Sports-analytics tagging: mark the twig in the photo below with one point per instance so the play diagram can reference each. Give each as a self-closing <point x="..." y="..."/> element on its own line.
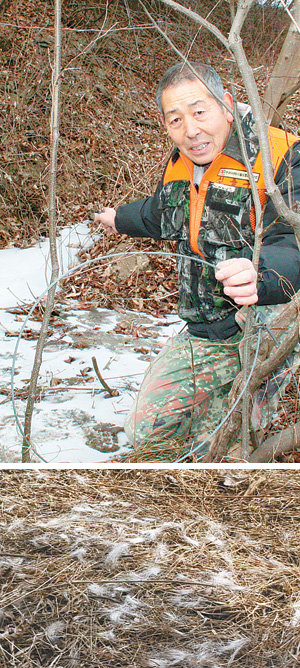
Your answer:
<point x="113" y="393"/>
<point x="290" y="15"/>
<point x="288" y="94"/>
<point x="207" y="25"/>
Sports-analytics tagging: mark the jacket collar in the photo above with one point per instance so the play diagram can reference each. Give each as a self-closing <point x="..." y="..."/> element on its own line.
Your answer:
<point x="233" y="147"/>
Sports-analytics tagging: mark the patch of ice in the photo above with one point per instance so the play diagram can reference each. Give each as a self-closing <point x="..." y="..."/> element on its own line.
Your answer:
<point x="66" y="420"/>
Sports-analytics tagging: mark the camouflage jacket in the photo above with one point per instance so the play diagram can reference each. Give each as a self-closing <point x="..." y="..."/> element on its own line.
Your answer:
<point x="217" y="222"/>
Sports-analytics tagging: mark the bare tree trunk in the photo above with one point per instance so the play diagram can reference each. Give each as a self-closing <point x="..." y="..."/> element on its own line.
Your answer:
<point x="286" y="73"/>
<point x="52" y="235"/>
<point x="236" y="47"/>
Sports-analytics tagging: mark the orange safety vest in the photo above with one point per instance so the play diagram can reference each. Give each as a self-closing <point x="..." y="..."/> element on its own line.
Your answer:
<point x="227" y="171"/>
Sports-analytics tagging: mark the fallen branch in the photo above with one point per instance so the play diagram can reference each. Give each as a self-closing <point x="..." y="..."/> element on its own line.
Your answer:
<point x="283" y="441"/>
<point x="113" y="393"/>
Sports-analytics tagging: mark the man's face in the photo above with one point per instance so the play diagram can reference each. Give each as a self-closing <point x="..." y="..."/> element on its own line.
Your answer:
<point x="195" y="121"/>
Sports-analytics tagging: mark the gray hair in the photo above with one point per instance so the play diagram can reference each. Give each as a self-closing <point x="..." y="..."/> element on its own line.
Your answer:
<point x="181" y="71"/>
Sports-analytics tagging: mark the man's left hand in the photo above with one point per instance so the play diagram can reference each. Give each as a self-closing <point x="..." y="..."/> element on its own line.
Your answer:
<point x="239" y="279"/>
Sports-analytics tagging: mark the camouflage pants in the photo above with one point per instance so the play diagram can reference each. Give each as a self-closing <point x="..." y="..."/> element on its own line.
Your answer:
<point x="184" y="391"/>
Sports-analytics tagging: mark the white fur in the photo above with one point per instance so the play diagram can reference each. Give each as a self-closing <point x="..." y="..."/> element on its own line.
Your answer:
<point x="117" y="551"/>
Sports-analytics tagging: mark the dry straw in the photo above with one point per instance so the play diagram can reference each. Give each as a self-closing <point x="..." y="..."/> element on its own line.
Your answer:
<point x="150" y="568"/>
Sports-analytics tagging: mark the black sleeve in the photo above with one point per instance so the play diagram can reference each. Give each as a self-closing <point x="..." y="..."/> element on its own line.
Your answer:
<point x="279" y="263"/>
<point x="140" y="218"/>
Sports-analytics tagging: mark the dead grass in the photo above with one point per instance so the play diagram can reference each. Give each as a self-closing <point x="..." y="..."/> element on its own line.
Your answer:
<point x="150" y="568"/>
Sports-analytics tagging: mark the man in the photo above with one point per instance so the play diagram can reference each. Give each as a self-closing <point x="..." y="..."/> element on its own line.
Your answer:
<point x="204" y="202"/>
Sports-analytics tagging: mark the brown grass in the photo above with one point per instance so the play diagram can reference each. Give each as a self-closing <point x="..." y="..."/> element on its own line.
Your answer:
<point x="150" y="568"/>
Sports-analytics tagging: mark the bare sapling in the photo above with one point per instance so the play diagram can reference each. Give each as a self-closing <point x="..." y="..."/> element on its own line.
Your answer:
<point x="54" y="126"/>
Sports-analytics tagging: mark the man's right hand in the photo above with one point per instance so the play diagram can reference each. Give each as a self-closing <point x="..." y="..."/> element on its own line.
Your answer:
<point x="107" y="219"/>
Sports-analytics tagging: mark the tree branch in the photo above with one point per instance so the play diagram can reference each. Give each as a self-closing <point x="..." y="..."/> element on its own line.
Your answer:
<point x="243" y="9"/>
<point x="198" y="19"/>
<point x="182" y="56"/>
<point x="273" y="191"/>
<point x="271" y="356"/>
<point x="293" y="20"/>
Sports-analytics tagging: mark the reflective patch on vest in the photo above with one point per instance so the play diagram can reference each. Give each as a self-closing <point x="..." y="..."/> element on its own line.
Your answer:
<point x="237" y="174"/>
<point x="222" y="186"/>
